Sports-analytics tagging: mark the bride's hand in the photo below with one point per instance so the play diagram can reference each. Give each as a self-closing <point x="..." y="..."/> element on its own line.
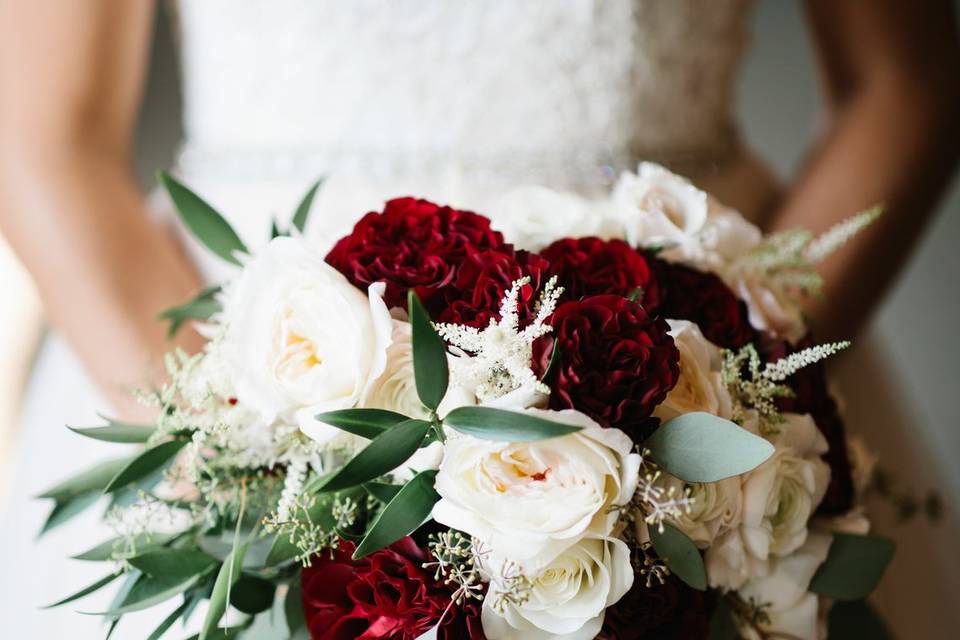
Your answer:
<point x="70" y="77"/>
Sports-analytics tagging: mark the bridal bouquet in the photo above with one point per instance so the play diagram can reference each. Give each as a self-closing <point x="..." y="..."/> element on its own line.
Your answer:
<point x="580" y="419"/>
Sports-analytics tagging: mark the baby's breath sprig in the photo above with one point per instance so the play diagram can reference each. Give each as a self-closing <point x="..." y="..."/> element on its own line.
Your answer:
<point x="652" y="502"/>
<point x="307" y="535"/>
<point x="511" y="587"/>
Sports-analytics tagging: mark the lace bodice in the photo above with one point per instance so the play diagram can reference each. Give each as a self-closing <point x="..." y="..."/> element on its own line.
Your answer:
<point x="555" y="91"/>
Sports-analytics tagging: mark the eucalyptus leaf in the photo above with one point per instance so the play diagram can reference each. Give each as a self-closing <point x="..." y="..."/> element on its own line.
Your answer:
<point x="145" y="464"/>
<point x="96" y="586"/>
<point x="853" y="567"/>
<point x="173" y="563"/>
<point x="252" y="595"/>
<point x="680" y="554"/>
<point x="64" y="510"/>
<point x="228" y="576"/>
<point x="208" y="226"/>
<point x="403" y="515"/>
<point x="303" y="209"/>
<point x="385" y="453"/>
<point x="430" y="368"/>
<point x="87" y="481"/>
<point x="431" y="634"/>
<point x="701" y="447"/>
<point x="856" y="619"/>
<point x="366" y="423"/>
<point x="201" y="307"/>
<point x="503" y="425"/>
<point x="116" y="431"/>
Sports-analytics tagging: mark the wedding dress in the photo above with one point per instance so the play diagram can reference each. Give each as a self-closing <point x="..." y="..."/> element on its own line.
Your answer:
<point x="459" y="102"/>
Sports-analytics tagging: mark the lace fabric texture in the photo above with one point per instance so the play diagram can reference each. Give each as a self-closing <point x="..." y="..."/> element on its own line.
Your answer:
<point x="564" y="92"/>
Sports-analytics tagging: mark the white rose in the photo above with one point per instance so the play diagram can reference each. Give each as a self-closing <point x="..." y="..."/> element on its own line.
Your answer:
<point x="715" y="509"/>
<point x="658" y="207"/>
<point x="725" y="236"/>
<point x="779" y="498"/>
<point x="528" y="501"/>
<point x="769" y="307"/>
<point x="304" y="338"/>
<point x="396" y="389"/>
<point x="532" y="217"/>
<point x="700" y="386"/>
<point x="791" y="610"/>
<point x="568" y="597"/>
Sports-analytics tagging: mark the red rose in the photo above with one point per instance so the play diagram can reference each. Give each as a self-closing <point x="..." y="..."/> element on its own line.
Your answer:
<point x="811" y="395"/>
<point x="702" y="298"/>
<point x="481" y="281"/>
<point x="614" y="363"/>
<point x="669" y="611"/>
<point x="387" y="595"/>
<point x="413" y="244"/>
<point x="591" y="267"/>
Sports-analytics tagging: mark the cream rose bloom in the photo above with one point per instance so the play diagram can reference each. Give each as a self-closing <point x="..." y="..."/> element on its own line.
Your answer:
<point x="778" y="499"/>
<point x="792" y="610"/>
<point x="769" y="307"/>
<point x="528" y="501"/>
<point x="700" y="386"/>
<point x="304" y="339"/>
<point x="532" y="217"/>
<point x="658" y="207"/>
<point x="715" y="509"/>
<point x="568" y="596"/>
<point x="395" y="389"/>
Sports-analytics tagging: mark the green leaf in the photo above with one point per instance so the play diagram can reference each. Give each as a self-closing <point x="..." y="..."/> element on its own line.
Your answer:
<point x="382" y="491"/>
<point x="293" y="610"/>
<point x="224" y="633"/>
<point x="853" y="567"/>
<point x="504" y="425"/>
<point x="145" y="464"/>
<point x="252" y="595"/>
<point x="554" y="361"/>
<point x="403" y="515"/>
<point x="148" y="591"/>
<point x="201" y="307"/>
<point x="681" y="555"/>
<point x="116" y="431"/>
<point x="64" y="510"/>
<point x="366" y="423"/>
<point x="168" y="622"/>
<point x="275" y="230"/>
<point x="385" y="453"/>
<point x="141" y="543"/>
<point x="96" y="586"/>
<point x="228" y="576"/>
<point x="88" y="481"/>
<point x="182" y="563"/>
<point x="204" y="222"/>
<point x="430" y="371"/>
<point x="856" y="619"/>
<point x="701" y="447"/>
<point x="303" y="209"/>
<point x="722" y="625"/>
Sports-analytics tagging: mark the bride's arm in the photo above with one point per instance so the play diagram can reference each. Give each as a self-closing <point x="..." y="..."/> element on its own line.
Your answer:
<point x="891" y="79"/>
<point x="70" y="81"/>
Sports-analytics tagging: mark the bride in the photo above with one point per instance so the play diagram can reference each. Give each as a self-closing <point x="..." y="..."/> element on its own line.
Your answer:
<point x="459" y="102"/>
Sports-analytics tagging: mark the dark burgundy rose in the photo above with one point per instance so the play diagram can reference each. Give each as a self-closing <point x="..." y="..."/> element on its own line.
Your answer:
<point x="482" y="279"/>
<point x="704" y="299"/>
<point x="615" y="362"/>
<point x="387" y="595"/>
<point x="413" y="244"/>
<point x="812" y="396"/>
<point x="669" y="611"/>
<point x="591" y="266"/>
